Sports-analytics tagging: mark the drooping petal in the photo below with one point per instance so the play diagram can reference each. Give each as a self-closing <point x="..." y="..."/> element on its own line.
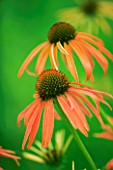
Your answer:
<point x="30" y="73"/>
<point x="83" y="58"/>
<point x="35" y="126"/>
<point x="26" y="111"/>
<point x="84" y="109"/>
<point x="48" y="123"/>
<point x="42" y="59"/>
<point x="30" y="123"/>
<point x="70" y="62"/>
<point x="78" y="110"/>
<point x="98" y="55"/>
<point x="52" y="58"/>
<point x="9" y="154"/>
<point x="30" y="58"/>
<point x="92" y="41"/>
<point x="91" y="36"/>
<point x="61" y="48"/>
<point x="66" y="108"/>
<point x="72" y="116"/>
<point x="107" y="134"/>
<point x="86" y="101"/>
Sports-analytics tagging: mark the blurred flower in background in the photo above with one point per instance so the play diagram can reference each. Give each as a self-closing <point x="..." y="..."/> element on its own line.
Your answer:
<point x="89" y="15"/>
<point x="53" y="154"/>
<point x="9" y="154"/>
<point x="53" y="85"/>
<point x="64" y="37"/>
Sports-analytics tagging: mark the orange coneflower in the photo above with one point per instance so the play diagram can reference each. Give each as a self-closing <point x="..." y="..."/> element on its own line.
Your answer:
<point x="64" y="37"/>
<point x="9" y="154"/>
<point x="52" y="85"/>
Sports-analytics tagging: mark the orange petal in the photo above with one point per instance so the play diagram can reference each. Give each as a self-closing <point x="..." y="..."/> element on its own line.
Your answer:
<point x="79" y="34"/>
<point x="105" y="135"/>
<point x="83" y="58"/>
<point x="61" y="48"/>
<point x="71" y="115"/>
<point x="66" y="108"/>
<point x="52" y="58"/>
<point x="87" y="102"/>
<point x="30" y="124"/>
<point x="42" y="59"/>
<point x="98" y="55"/>
<point x="94" y="96"/>
<point x="82" y="106"/>
<point x="35" y="126"/>
<point x="48" y="123"/>
<point x="30" y="58"/>
<point x="78" y="110"/>
<point x="26" y="111"/>
<point x="30" y="73"/>
<point x="108" y="54"/>
<point x="99" y="92"/>
<point x="70" y="62"/>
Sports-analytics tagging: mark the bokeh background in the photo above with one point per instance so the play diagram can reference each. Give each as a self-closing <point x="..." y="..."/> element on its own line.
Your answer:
<point x="25" y="24"/>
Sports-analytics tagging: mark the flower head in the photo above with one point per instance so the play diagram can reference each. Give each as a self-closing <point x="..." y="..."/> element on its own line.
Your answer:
<point x="89" y="15"/>
<point x="53" y="154"/>
<point x="52" y="85"/>
<point x="63" y="37"/>
<point x="9" y="154"/>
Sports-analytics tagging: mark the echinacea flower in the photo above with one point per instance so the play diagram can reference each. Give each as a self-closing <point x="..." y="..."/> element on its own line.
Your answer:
<point x="89" y="16"/>
<point x="9" y="154"/>
<point x="53" y="155"/>
<point x="108" y="131"/>
<point x="63" y="37"/>
<point x="53" y="85"/>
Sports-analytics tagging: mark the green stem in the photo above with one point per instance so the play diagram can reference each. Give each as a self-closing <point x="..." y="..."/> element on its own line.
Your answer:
<point x="76" y="137"/>
<point x="106" y="118"/>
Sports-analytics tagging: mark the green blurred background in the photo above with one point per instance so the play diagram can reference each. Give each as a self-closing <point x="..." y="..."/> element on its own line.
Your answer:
<point x="25" y="24"/>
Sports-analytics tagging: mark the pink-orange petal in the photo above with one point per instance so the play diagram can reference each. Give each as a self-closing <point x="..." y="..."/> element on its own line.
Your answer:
<point x="104" y="135"/>
<point x="26" y="111"/>
<point x="79" y="34"/>
<point x="67" y="110"/>
<point x="30" y="58"/>
<point x="35" y="126"/>
<point x="86" y="101"/>
<point x="78" y="110"/>
<point x="48" y="123"/>
<point x="98" y="55"/>
<point x="84" y="109"/>
<point x="42" y="59"/>
<point x="61" y="48"/>
<point x="30" y="125"/>
<point x="70" y="62"/>
<point x="52" y="58"/>
<point x="84" y="60"/>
